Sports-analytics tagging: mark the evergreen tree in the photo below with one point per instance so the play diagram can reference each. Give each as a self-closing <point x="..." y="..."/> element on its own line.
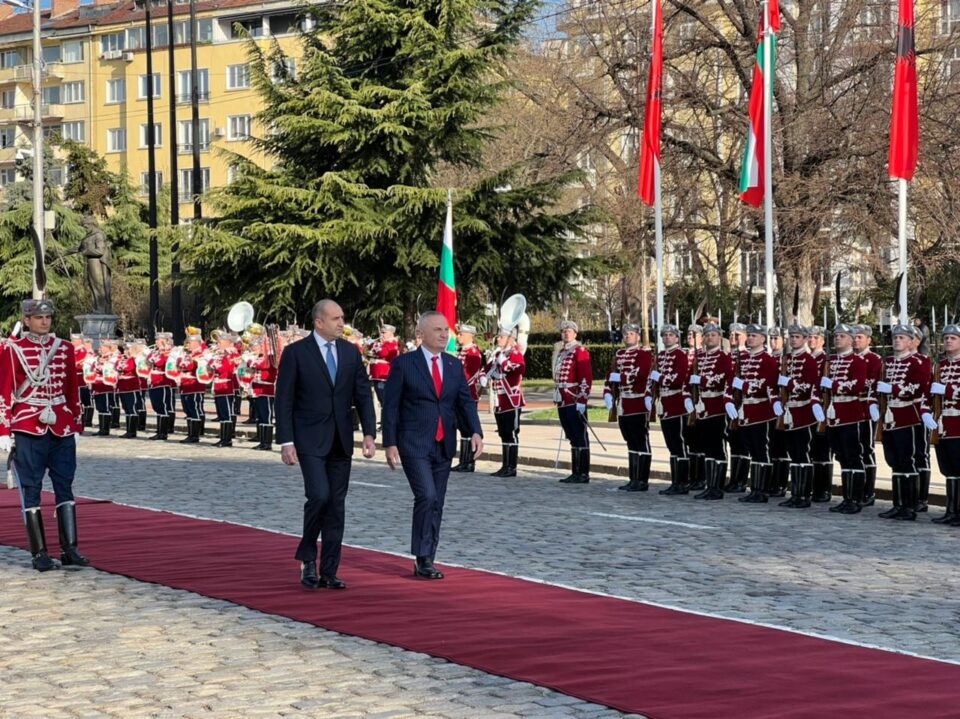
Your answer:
<point x="387" y="94"/>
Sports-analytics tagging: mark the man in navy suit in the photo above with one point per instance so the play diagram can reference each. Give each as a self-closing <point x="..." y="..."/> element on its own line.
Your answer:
<point x="425" y="396"/>
<point x="321" y="378"/>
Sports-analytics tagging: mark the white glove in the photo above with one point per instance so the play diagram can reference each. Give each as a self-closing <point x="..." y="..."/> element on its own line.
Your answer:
<point x="874" y="413"/>
<point x="695" y="379"/>
<point x="608" y="401"/>
<point x="783" y="381"/>
<point x="76" y="439"/>
<point x="826" y="383"/>
<point x="884" y="387"/>
<point x="818" y="413"/>
<point x="737" y="383"/>
<point x="731" y="410"/>
<point x="648" y="403"/>
<point x="581" y="407"/>
<point x="928" y="421"/>
<point x="6" y="444"/>
<point x="688" y="405"/>
<point x="778" y="408"/>
<point x="655" y="376"/>
<point x="484" y="381"/>
<point x="937" y="388"/>
<point x="614" y="377"/>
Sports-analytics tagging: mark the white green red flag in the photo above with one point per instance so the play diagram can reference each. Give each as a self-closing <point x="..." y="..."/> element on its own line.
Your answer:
<point x="751" y="171"/>
<point x="447" y="286"/>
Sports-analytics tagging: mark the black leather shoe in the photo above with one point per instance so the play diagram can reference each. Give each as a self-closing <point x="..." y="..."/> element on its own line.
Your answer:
<point x="423" y="568"/>
<point x="43" y="563"/>
<point x="331" y="583"/>
<point x="70" y="557"/>
<point x="308" y="575"/>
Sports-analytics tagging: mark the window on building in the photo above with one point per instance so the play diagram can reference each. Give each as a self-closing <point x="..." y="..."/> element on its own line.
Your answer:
<point x="117" y="90"/>
<point x="285" y="69"/>
<point x="8" y="99"/>
<point x="52" y="132"/>
<point x="157" y="135"/>
<point x="238" y="127"/>
<point x="185" y="89"/>
<point x="160" y="35"/>
<point x="185" y="135"/>
<point x="253" y="28"/>
<point x="144" y="86"/>
<point x="8" y="175"/>
<point x="8" y="136"/>
<point x="284" y="24"/>
<point x="51" y="95"/>
<point x="136" y="38"/>
<point x="113" y="42"/>
<point x="186" y="183"/>
<point x="949" y="15"/>
<point x="57" y="176"/>
<point x="116" y="140"/>
<point x="72" y="92"/>
<point x="11" y="58"/>
<point x="51" y="53"/>
<point x="145" y="182"/>
<point x="71" y="51"/>
<point x="205" y="30"/>
<point x="238" y="76"/>
<point x="233" y="172"/>
<point x="73" y="131"/>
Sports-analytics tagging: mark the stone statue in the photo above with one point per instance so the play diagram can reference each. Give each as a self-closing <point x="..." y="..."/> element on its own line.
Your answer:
<point x="96" y="251"/>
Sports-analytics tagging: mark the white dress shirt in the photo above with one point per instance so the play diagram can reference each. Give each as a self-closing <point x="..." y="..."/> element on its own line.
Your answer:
<point x="429" y="355"/>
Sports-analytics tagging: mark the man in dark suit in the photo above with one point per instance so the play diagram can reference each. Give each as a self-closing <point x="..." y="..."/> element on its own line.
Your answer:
<point x="321" y="378"/>
<point x="425" y="396"/>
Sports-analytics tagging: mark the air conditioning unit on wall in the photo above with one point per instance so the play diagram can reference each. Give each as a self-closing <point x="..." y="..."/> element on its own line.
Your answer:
<point x="112" y="55"/>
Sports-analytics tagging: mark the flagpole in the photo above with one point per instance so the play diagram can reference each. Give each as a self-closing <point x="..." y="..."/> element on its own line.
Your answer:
<point x="902" y="248"/>
<point x="768" y="75"/>
<point x="657" y="210"/>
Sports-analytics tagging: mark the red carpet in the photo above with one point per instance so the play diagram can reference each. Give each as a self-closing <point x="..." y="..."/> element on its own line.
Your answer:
<point x="627" y="655"/>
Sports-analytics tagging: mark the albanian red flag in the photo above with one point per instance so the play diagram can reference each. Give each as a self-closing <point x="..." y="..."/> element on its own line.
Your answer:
<point x="905" y="120"/>
<point x="650" y="147"/>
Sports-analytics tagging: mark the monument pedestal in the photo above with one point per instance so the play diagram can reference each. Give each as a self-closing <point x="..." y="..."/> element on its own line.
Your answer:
<point x="97" y="326"/>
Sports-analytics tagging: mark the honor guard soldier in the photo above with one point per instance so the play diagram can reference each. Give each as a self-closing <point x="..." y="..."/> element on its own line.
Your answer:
<point x="225" y="360"/>
<point x="264" y="388"/>
<point x="692" y="435"/>
<point x="906" y="379"/>
<point x="80" y="354"/>
<point x="104" y="386"/>
<point x="128" y="390"/>
<point x="739" y="457"/>
<point x="759" y="406"/>
<point x="161" y="386"/>
<point x="624" y="392"/>
<point x="921" y="445"/>
<point x="801" y="415"/>
<point x="779" y="455"/>
<point x="845" y="386"/>
<point x="573" y="378"/>
<point x="667" y="395"/>
<point x="863" y="335"/>
<point x="714" y="374"/>
<point x="472" y="358"/>
<point x="192" y="389"/>
<point x="40" y="408"/>
<point x="946" y="393"/>
<point x="381" y="355"/>
<point x="505" y="370"/>
<point x="820" y="444"/>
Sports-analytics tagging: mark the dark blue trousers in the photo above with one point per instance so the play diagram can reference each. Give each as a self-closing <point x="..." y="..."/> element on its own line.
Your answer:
<point x="325" y="483"/>
<point x="224" y="405"/>
<point x="428" y="479"/>
<point x="193" y="405"/>
<point x="263" y="406"/>
<point x="38" y="455"/>
<point x="573" y="426"/>
<point x="161" y="399"/>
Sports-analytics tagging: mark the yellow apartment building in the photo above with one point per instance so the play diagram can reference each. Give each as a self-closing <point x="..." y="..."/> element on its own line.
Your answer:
<point x="96" y="85"/>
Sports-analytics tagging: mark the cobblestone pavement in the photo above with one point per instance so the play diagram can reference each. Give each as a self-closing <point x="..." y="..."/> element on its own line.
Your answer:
<point x="858" y="578"/>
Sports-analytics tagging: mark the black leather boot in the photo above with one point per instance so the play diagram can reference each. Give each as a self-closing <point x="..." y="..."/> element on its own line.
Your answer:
<point x="505" y="449"/>
<point x="67" y="526"/>
<point x="857" y="482"/>
<point x="674" y="472"/>
<point x="632" y="459"/>
<point x="779" y="479"/>
<point x="846" y="483"/>
<point x="897" y="481"/>
<point x="171" y="423"/>
<point x="104" y="420"/>
<point x="822" y="481"/>
<point x="583" y="467"/>
<point x="115" y="418"/>
<point x="131" y="422"/>
<point x="754" y="478"/>
<point x="765" y="483"/>
<point x="161" y="429"/>
<point x="909" y="493"/>
<point x="953" y="505"/>
<point x="463" y="462"/>
<point x="806" y="486"/>
<point x="719" y="475"/>
<point x="698" y="477"/>
<point x="38" y="541"/>
<point x="709" y="465"/>
<point x="643" y="471"/>
<point x="259" y="438"/>
<point x="266" y="442"/>
<point x="88" y="416"/>
<point x="794" y="487"/>
<point x="574" y="465"/>
<point x="739" y="469"/>
<point x="142" y="420"/>
<point x="193" y="435"/>
<point x="869" y="485"/>
<point x="923" y="491"/>
<point x="513" y="456"/>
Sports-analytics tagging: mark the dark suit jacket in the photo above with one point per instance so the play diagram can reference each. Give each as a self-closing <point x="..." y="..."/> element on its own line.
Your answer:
<point x="310" y="409"/>
<point x="411" y="406"/>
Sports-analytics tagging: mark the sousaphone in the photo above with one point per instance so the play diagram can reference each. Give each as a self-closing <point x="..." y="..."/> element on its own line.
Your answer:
<point x="241" y="316"/>
<point x="513" y="316"/>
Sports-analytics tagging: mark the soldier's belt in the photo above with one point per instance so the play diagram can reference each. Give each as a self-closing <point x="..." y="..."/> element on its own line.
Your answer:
<point x="710" y="395"/>
<point x="670" y="392"/>
<point x="567" y="385"/>
<point x="950" y="413"/>
<point x="795" y="403"/>
<point x="632" y="395"/>
<point x="37" y="402"/>
<point x="901" y="403"/>
<point x="755" y="400"/>
<point x="846" y="398"/>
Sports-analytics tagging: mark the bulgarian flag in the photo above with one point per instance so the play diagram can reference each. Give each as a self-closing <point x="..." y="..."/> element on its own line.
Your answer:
<point x="751" y="172"/>
<point x="905" y="120"/>
<point x="447" y="286"/>
<point x="650" y="149"/>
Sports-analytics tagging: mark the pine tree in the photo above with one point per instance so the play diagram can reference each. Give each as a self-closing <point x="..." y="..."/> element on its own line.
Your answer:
<point x="387" y="94"/>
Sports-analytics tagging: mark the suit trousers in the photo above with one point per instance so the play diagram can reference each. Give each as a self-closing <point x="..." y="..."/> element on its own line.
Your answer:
<point x="325" y="483"/>
<point x="428" y="479"/>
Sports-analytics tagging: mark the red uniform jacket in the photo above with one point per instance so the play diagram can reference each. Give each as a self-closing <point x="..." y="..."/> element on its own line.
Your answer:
<point x="472" y="359"/>
<point x="128" y="382"/>
<point x="759" y="372"/>
<point x="874" y="371"/>
<point x="950" y="409"/>
<point x="189" y="384"/>
<point x="20" y="411"/>
<point x="225" y="379"/>
<point x="715" y="368"/>
<point x="381" y="355"/>
<point x="572" y="375"/>
<point x="849" y="374"/>
<point x="79" y="355"/>
<point x="510" y="366"/>
<point x="158" y="367"/>
<point x="633" y="364"/>
<point x="803" y="390"/>
<point x="674" y="368"/>
<point x="99" y="386"/>
<point x="265" y="378"/>
<point x="910" y="377"/>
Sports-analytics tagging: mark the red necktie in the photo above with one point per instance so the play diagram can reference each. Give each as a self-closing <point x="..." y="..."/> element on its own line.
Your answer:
<point x="438" y="387"/>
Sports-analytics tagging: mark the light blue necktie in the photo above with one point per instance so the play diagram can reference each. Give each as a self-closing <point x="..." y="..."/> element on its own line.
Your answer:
<point x="331" y="362"/>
